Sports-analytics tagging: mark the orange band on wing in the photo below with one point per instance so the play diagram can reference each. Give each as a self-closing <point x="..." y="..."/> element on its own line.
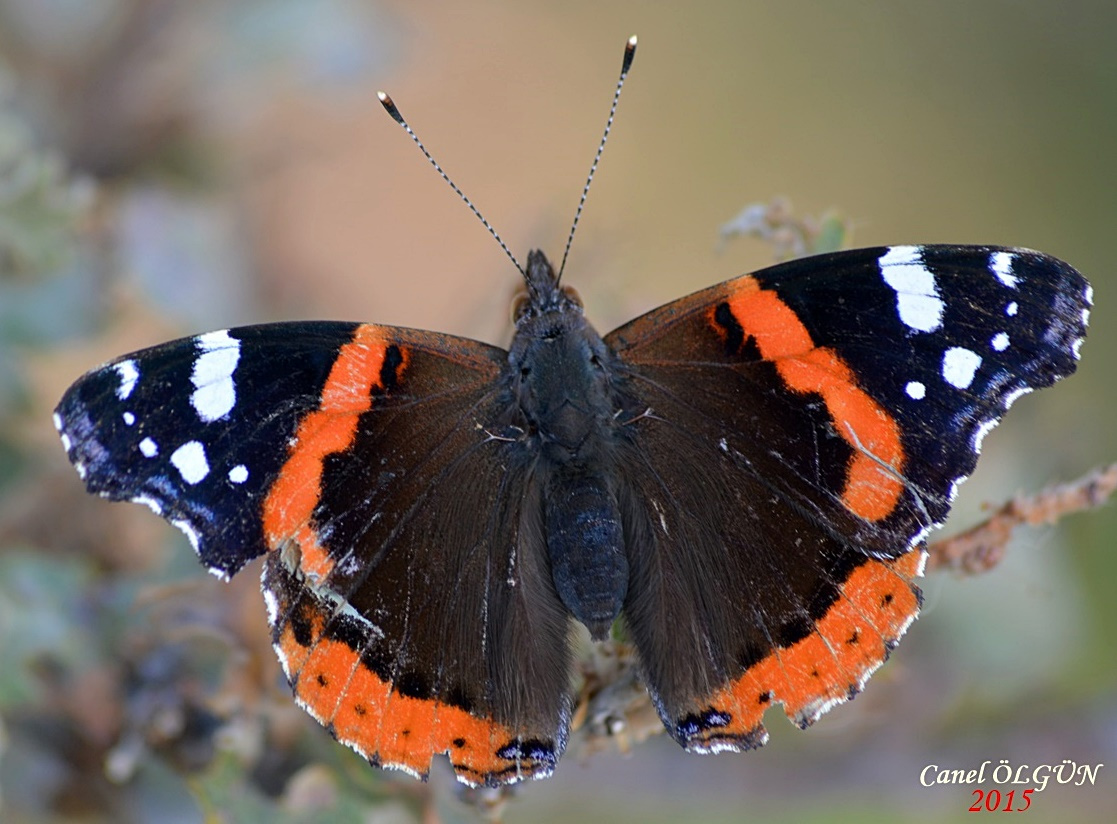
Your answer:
<point x="873" y="486"/>
<point x="875" y="607"/>
<point x="289" y="507"/>
<point x="390" y="729"/>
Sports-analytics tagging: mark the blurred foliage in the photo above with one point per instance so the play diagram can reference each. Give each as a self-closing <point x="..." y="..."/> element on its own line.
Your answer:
<point x="40" y="205"/>
<point x="790" y="236"/>
<point x="41" y="208"/>
<point x="125" y="695"/>
<point x="127" y="705"/>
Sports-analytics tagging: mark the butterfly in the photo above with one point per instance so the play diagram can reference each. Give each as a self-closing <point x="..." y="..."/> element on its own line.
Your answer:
<point x="744" y="477"/>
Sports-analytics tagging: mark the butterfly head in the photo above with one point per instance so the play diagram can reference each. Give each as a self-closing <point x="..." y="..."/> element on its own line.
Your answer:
<point x="542" y="294"/>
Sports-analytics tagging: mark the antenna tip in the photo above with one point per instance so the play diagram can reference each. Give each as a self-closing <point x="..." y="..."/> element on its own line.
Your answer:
<point x="629" y="53"/>
<point x="390" y="107"/>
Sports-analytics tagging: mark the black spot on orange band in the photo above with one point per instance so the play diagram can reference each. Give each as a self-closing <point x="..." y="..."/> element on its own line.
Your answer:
<point x="390" y="368"/>
<point x="825" y="667"/>
<point x="396" y="724"/>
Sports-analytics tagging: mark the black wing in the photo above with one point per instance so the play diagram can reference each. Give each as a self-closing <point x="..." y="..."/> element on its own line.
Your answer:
<point x="405" y="579"/>
<point x="796" y="434"/>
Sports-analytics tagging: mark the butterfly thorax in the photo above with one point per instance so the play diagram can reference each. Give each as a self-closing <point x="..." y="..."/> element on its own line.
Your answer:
<point x="560" y="377"/>
<point x="560" y="373"/>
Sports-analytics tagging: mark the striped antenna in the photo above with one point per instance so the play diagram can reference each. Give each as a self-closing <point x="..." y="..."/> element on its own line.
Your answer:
<point x="629" y="54"/>
<point x="394" y="111"/>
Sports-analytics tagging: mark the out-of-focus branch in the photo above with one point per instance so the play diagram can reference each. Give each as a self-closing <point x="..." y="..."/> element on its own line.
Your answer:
<point x="982" y="547"/>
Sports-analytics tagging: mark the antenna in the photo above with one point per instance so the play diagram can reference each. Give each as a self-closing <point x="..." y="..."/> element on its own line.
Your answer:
<point x="629" y="54"/>
<point x="391" y="108"/>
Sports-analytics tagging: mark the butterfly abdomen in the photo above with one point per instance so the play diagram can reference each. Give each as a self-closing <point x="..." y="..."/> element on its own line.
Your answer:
<point x="585" y="543"/>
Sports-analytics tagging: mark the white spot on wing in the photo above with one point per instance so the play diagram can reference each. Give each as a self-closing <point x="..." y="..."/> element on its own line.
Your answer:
<point x="238" y="474"/>
<point x="150" y="503"/>
<point x="916" y="390"/>
<point x="1076" y="347"/>
<point x="1000" y="264"/>
<point x="959" y="366"/>
<point x="917" y="296"/>
<point x="988" y="426"/>
<point x="190" y="461"/>
<point x="1016" y="394"/>
<point x="191" y="535"/>
<point x="67" y="444"/>
<point x="983" y="430"/>
<point x="129" y="419"/>
<point x="214" y="393"/>
<point x="921" y="536"/>
<point x="715" y="748"/>
<point x="1012" y="309"/>
<point x="282" y="656"/>
<point x="272" y="605"/>
<point x="999" y="342"/>
<point x="129" y="374"/>
<point x="922" y="565"/>
<point x="149" y="448"/>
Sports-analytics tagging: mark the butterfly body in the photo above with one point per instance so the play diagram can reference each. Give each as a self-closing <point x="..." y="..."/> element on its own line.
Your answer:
<point x="570" y="419"/>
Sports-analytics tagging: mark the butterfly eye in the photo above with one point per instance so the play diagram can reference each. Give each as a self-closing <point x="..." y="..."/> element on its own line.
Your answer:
<point x="519" y="305"/>
<point x="571" y="295"/>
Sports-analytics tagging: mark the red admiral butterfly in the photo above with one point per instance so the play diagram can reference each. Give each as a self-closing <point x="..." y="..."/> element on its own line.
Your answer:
<point x="746" y="476"/>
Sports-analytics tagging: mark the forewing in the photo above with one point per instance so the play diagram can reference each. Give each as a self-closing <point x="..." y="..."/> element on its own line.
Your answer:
<point x="859" y="385"/>
<point x="197" y="428"/>
<point x="793" y="437"/>
<point x="405" y="579"/>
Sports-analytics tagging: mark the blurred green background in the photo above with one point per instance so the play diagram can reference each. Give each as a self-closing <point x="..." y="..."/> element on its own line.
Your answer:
<point x="174" y="167"/>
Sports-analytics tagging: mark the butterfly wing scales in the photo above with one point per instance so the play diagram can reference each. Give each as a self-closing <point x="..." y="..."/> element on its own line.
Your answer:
<point x="773" y="507"/>
<point x="392" y="616"/>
